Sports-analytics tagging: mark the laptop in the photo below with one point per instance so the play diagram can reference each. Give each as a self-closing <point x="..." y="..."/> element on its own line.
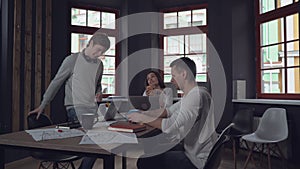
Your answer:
<point x="133" y="102"/>
<point x="144" y="102"/>
<point x="116" y="107"/>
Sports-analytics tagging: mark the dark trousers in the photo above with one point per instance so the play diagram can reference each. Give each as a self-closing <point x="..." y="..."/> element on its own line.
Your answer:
<point x="167" y="160"/>
<point x="87" y="162"/>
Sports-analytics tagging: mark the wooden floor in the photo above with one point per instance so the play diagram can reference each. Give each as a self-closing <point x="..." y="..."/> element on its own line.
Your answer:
<point x="226" y="163"/>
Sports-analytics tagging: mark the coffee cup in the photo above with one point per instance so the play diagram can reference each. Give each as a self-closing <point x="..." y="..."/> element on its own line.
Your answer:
<point x="133" y="111"/>
<point x="102" y="109"/>
<point x="88" y="120"/>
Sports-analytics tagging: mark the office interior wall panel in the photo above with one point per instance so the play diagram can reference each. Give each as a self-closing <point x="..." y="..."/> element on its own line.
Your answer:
<point x="31" y="58"/>
<point x="38" y="54"/>
<point x="48" y="40"/>
<point x="28" y="58"/>
<point x="16" y="66"/>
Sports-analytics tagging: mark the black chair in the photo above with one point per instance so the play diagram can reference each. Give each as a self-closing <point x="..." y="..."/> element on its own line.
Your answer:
<point x="243" y="124"/>
<point x="214" y="157"/>
<point x="56" y="160"/>
<point x="173" y="87"/>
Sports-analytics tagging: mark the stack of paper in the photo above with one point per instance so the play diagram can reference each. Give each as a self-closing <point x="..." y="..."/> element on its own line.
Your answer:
<point x="53" y="133"/>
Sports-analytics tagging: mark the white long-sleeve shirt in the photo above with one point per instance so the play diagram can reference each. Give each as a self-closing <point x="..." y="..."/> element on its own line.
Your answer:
<point x="165" y="97"/>
<point x="192" y="119"/>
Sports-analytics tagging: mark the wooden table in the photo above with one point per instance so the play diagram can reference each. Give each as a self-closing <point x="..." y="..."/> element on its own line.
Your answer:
<point x="22" y="140"/>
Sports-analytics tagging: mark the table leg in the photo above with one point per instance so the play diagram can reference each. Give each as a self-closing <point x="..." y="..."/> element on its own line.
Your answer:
<point x="124" y="163"/>
<point x="109" y="162"/>
<point x="2" y="159"/>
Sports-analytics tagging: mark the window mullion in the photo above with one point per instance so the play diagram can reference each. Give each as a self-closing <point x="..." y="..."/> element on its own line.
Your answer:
<point x="285" y="55"/>
<point x="86" y="18"/>
<point x="100" y="19"/>
<point x="184" y="40"/>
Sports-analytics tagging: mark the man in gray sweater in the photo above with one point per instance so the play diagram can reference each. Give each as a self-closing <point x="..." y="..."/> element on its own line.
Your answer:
<point x="82" y="73"/>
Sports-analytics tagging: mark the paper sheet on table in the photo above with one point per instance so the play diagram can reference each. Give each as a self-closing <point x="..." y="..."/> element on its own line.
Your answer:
<point x="52" y="133"/>
<point x="108" y="137"/>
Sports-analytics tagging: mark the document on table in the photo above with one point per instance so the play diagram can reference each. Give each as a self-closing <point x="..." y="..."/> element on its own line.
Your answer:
<point x="53" y="133"/>
<point x="108" y="137"/>
<point x="103" y="136"/>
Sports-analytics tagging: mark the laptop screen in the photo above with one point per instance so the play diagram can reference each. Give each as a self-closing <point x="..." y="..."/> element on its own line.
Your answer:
<point x="144" y="102"/>
<point x="133" y="102"/>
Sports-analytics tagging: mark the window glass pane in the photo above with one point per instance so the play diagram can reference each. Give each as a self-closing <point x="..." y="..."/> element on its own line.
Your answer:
<point x="79" y="42"/>
<point x="272" y="32"/>
<point x="273" y="81"/>
<point x="201" y="77"/>
<point x="108" y="84"/>
<point x="200" y="61"/>
<point x="293" y="53"/>
<point x="167" y="61"/>
<point x="199" y="17"/>
<point x="78" y="17"/>
<point x="109" y="64"/>
<point x="272" y="56"/>
<point x="266" y="5"/>
<point x="195" y="43"/>
<point x="282" y="3"/>
<point x="108" y="20"/>
<point x="167" y="78"/>
<point x="292" y="27"/>
<point x="293" y="78"/>
<point x="184" y="19"/>
<point x="94" y="19"/>
<point x="174" y="45"/>
<point x="170" y="20"/>
<point x="112" y="49"/>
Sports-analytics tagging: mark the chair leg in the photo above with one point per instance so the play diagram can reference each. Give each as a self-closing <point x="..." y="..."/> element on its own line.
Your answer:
<point x="234" y="152"/>
<point x="55" y="165"/>
<point x="281" y="154"/>
<point x="249" y="156"/>
<point x="44" y="165"/>
<point x="262" y="154"/>
<point x="269" y="158"/>
<point x="72" y="165"/>
<point x="40" y="165"/>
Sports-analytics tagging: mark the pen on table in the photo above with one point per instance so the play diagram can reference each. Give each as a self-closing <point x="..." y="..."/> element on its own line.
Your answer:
<point x="62" y="127"/>
<point x="124" y="116"/>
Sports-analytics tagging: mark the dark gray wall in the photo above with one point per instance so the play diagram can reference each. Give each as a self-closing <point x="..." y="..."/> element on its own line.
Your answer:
<point x="177" y="3"/>
<point x="6" y="65"/>
<point x="220" y="34"/>
<point x="139" y="42"/>
<point x="59" y="45"/>
<point x="243" y="43"/>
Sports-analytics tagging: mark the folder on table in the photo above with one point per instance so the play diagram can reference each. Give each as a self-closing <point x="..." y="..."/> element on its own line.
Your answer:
<point x="125" y="126"/>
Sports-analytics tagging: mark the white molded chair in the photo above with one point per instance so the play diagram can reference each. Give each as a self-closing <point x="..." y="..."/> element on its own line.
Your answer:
<point x="272" y="129"/>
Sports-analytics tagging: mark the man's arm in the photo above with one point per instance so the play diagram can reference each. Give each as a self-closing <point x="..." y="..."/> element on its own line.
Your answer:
<point x="61" y="76"/>
<point x="98" y="83"/>
<point x="159" y="113"/>
<point x="63" y="73"/>
<point x="99" y="78"/>
<point x="142" y="118"/>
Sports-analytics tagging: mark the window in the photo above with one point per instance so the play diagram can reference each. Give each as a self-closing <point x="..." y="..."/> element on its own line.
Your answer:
<point x="180" y="40"/>
<point x="278" y="49"/>
<point x="84" y="22"/>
